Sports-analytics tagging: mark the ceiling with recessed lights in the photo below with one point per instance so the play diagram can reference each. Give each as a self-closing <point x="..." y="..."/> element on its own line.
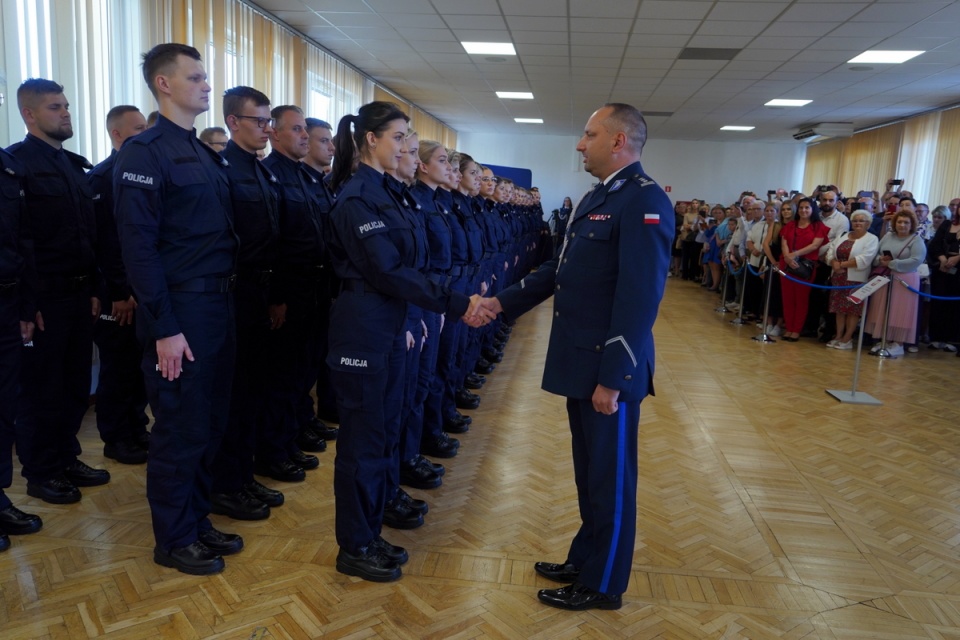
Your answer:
<point x="692" y="66"/>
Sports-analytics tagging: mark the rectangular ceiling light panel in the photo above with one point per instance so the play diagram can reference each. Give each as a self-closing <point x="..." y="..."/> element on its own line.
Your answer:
<point x="490" y="48"/>
<point x="884" y="57"/>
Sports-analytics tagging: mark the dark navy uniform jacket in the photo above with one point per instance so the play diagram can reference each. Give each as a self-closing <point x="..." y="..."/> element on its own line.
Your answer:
<point x="607" y="284"/>
<point x="59" y="209"/>
<point x="100" y="180"/>
<point x="411" y="209"/>
<point x="463" y="210"/>
<point x="374" y="241"/>
<point x="437" y="224"/>
<point x="16" y="243"/>
<point x="302" y="213"/>
<point x="256" y="209"/>
<point x="173" y="210"/>
<point x="459" y="250"/>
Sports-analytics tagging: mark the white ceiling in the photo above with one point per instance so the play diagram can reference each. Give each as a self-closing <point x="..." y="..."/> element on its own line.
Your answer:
<point x="576" y="54"/>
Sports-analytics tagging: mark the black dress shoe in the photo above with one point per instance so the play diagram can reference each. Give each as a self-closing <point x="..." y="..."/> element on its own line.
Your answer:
<point x="125" y="452"/>
<point x="284" y="471"/>
<point x="413" y="474"/>
<point x="56" y="490"/>
<point x="436" y="467"/>
<point x="239" y="506"/>
<point x="456" y="426"/>
<point x="195" y="559"/>
<point x="477" y="378"/>
<point x="4" y="542"/>
<point x="492" y="356"/>
<point x="392" y="551"/>
<point x="499" y="344"/>
<point x="439" y="447"/>
<point x="420" y="506"/>
<point x="17" y="523"/>
<point x="221" y="543"/>
<point x="142" y="440"/>
<point x="83" y="475"/>
<point x="826" y="337"/>
<point x="578" y="597"/>
<point x="466" y="400"/>
<point x="565" y="573"/>
<point x="484" y="366"/>
<point x="308" y="440"/>
<point x="304" y="460"/>
<point x="368" y="563"/>
<point x="266" y="495"/>
<point x="459" y="417"/>
<point x="324" y="430"/>
<point x="472" y="382"/>
<point x="398" y="515"/>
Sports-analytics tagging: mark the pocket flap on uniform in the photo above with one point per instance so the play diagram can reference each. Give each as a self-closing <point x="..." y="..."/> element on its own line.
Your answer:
<point x="589" y="339"/>
<point x="597" y="231"/>
<point x="186" y="174"/>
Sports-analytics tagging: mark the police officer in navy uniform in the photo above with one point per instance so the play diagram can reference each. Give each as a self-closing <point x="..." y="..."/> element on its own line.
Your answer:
<point x="174" y="216"/>
<point x="17" y="312"/>
<point x="319" y="162"/>
<point x="55" y="371"/>
<point x="607" y="284"/>
<point x="373" y="248"/>
<point x="299" y="287"/>
<point x="256" y="221"/>
<point x="121" y="395"/>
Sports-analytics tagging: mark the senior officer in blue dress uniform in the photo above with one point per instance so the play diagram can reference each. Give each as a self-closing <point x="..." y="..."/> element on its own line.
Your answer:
<point x="374" y="252"/>
<point x="18" y="281"/>
<point x="607" y="284"/>
<point x="174" y="215"/>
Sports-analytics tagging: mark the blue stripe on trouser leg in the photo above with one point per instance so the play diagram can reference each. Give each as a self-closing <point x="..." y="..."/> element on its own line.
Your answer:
<point x="605" y="469"/>
<point x="618" y="505"/>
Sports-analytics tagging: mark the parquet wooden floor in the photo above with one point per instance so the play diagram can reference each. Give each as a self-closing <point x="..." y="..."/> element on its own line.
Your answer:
<point x="766" y="510"/>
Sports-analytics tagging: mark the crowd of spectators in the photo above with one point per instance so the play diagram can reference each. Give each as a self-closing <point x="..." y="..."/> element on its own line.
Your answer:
<point x="822" y="247"/>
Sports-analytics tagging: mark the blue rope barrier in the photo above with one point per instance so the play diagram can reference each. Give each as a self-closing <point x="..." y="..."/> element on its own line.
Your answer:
<point x="738" y="271"/>
<point x="819" y="286"/>
<point x="925" y="295"/>
<point x="751" y="269"/>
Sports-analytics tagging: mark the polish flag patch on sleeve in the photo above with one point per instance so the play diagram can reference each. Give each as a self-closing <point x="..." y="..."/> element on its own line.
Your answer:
<point x="651" y="218"/>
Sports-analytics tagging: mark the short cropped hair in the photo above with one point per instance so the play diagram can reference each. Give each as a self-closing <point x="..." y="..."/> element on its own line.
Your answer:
<point x="235" y="99"/>
<point x="277" y="112"/>
<point x="628" y="119"/>
<point x="33" y="88"/>
<point x="162" y="58"/>
<point x="317" y="123"/>
<point x="118" y="112"/>
<point x="207" y="134"/>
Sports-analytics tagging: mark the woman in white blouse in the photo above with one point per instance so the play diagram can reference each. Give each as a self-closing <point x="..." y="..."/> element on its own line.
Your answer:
<point x="850" y="255"/>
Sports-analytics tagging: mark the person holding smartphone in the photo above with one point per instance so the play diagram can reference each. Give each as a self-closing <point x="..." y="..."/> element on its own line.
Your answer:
<point x="901" y="252"/>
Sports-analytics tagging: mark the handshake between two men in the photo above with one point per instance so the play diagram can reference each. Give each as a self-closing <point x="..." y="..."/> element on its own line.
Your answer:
<point x="481" y="310"/>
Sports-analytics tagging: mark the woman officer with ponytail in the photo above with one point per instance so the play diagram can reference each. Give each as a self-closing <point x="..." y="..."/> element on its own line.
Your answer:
<point x="374" y="253"/>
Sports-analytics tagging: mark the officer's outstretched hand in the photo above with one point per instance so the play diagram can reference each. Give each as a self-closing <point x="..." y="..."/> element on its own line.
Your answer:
<point x="170" y="352"/>
<point x="481" y="310"/>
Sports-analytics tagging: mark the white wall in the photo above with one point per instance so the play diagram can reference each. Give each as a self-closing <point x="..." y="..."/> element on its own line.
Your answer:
<point x="715" y="171"/>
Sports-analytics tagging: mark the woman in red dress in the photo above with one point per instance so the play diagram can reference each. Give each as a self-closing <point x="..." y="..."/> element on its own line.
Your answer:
<point x="800" y="238"/>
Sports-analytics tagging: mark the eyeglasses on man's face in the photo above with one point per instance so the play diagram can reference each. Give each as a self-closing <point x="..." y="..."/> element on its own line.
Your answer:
<point x="262" y="123"/>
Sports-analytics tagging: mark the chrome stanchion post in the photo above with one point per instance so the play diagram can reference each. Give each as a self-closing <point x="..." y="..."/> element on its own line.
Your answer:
<point x="763" y="337"/>
<point x="853" y="396"/>
<point x="884" y="352"/>
<point x="743" y="290"/>
<point x="723" y="291"/>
